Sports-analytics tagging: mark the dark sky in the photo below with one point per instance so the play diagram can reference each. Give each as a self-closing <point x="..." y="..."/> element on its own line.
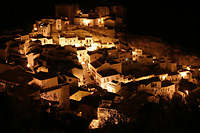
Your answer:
<point x="175" y="20"/>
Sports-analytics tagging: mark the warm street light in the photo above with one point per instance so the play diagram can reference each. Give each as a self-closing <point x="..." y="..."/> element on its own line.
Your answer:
<point x="187" y="92"/>
<point x="86" y="21"/>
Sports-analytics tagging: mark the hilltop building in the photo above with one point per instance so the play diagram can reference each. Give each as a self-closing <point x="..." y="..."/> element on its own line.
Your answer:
<point x="67" y="10"/>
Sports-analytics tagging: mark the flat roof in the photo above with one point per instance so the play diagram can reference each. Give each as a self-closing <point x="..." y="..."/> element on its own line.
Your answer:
<point x="81" y="48"/>
<point x="108" y="72"/>
<point x="96" y="64"/>
<point x="16" y="75"/>
<point x="166" y="83"/>
<point x="44" y="75"/>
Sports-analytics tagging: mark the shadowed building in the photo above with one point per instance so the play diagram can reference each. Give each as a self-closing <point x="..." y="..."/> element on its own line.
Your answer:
<point x="67" y="10"/>
<point x="102" y="11"/>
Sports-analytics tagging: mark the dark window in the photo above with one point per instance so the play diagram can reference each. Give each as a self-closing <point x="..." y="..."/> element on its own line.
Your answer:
<point x="64" y="78"/>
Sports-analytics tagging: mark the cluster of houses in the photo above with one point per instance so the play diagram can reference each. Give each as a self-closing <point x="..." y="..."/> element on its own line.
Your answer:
<point x="54" y="66"/>
<point x="103" y="15"/>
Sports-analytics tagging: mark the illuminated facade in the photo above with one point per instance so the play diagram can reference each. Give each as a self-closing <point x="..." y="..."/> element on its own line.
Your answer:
<point x="106" y="113"/>
<point x="104" y="77"/>
<point x="49" y="25"/>
<point x="82" y="54"/>
<point x="113" y="86"/>
<point x="155" y="86"/>
<point x="68" y="40"/>
<point x="59" y="94"/>
<point x="86" y="21"/>
<point x="76" y="41"/>
<point x="136" y="53"/>
<point x="44" y="40"/>
<point x="88" y="56"/>
<point x="44" y="80"/>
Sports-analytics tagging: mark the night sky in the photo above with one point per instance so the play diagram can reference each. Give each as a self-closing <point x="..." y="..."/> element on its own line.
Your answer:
<point x="174" y="21"/>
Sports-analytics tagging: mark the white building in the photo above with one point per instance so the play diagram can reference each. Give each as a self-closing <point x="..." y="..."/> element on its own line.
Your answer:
<point x="44" y="29"/>
<point x="154" y="86"/>
<point x="167" y="89"/>
<point x="101" y="64"/>
<point x="48" y="25"/>
<point x="113" y="86"/>
<point x="168" y="64"/>
<point x="58" y="24"/>
<point x="136" y="53"/>
<point x="145" y="60"/>
<point x="44" y="40"/>
<point x="92" y="56"/>
<point x="87" y="20"/>
<point x="44" y="80"/>
<point x="76" y="41"/>
<point x="68" y="40"/>
<point x="82" y="54"/>
<point x="125" y="58"/>
<point x="104" y="77"/>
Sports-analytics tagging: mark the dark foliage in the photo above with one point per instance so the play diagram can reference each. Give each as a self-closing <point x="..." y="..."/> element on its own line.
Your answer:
<point x="28" y="115"/>
<point x="174" y="115"/>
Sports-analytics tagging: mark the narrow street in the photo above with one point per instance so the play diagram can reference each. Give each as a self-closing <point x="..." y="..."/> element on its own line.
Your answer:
<point x="87" y="80"/>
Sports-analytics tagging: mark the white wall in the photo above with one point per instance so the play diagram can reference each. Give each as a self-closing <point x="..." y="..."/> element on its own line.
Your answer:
<point x="58" y="24"/>
<point x="167" y="91"/>
<point x="79" y="74"/>
<point x="46" y="83"/>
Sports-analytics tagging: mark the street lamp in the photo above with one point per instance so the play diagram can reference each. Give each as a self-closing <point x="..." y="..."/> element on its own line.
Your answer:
<point x="187" y="92"/>
<point x="86" y="22"/>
